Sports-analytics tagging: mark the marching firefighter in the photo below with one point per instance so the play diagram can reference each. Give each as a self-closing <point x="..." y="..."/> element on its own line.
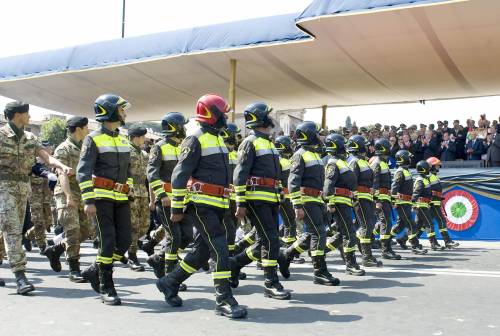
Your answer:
<point x="257" y="187"/>
<point x="305" y="184"/>
<point x="364" y="207"/>
<point x="104" y="176"/>
<point x="382" y="188"/>
<point x="437" y="196"/>
<point x="340" y="183"/>
<point x="203" y="171"/>
<point x="401" y="192"/>
<point x="421" y="198"/>
<point x="163" y="158"/>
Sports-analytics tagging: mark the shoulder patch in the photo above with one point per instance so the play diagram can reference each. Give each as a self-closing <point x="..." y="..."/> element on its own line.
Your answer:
<point x="185" y="150"/>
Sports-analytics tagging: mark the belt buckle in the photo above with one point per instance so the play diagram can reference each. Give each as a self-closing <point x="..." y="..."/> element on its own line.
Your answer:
<point x="227" y="193"/>
<point x="195" y="187"/>
<point x="119" y="187"/>
<point x="253" y="181"/>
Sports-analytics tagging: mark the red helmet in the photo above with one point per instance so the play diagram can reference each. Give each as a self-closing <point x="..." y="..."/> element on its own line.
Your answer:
<point x="433" y="161"/>
<point x="210" y="108"/>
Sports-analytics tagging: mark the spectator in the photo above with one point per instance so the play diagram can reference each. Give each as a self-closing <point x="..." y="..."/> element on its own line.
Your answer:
<point x="460" y="135"/>
<point x="448" y="147"/>
<point x="475" y="147"/>
<point x="431" y="145"/>
<point x="394" y="145"/>
<point x="493" y="156"/>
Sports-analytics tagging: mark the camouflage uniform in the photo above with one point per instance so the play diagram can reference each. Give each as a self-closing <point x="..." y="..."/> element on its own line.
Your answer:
<point x="2" y="248"/>
<point x="41" y="214"/>
<point x="139" y="208"/>
<point x="17" y="156"/>
<point x="75" y="223"/>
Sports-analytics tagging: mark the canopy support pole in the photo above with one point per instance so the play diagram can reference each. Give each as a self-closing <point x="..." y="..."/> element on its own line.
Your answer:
<point x="323" y="117"/>
<point x="232" y="89"/>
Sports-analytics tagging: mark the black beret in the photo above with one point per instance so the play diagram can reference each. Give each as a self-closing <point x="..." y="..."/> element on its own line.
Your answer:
<point x="413" y="127"/>
<point x="137" y="131"/>
<point x="77" y="122"/>
<point x="423" y="125"/>
<point x="378" y="126"/>
<point x="16" y="107"/>
<point x="402" y="126"/>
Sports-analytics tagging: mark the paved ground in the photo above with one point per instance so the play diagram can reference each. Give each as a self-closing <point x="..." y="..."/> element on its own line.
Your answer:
<point x="445" y="293"/>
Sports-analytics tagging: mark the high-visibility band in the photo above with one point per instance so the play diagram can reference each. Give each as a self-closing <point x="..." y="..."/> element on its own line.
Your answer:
<point x="240" y="188"/>
<point x="155" y="183"/>
<point x="88" y="195"/>
<point x="366" y="196"/>
<point x="215" y="201"/>
<point x="288" y="239"/>
<point x="248" y="239"/>
<point x="421" y="205"/>
<point x="393" y="233"/>
<point x="412" y="236"/>
<point x="158" y="191"/>
<point x="317" y="253"/>
<point x="330" y="246"/>
<point x="86" y="184"/>
<point x="231" y="247"/>
<point x="221" y="275"/>
<point x="186" y="267"/>
<point x="443" y="230"/>
<point x="295" y="194"/>
<point x="117" y="257"/>
<point x="349" y="249"/>
<point x="269" y="263"/>
<point x="170" y="256"/>
<point x="365" y="240"/>
<point x="241" y="199"/>
<point x="250" y="254"/>
<point x="310" y="199"/>
<point x="254" y="195"/>
<point x="385" y="237"/>
<point x="422" y="229"/>
<point x="113" y="149"/>
<point x="179" y="192"/>
<point x="400" y="202"/>
<point x="383" y="197"/>
<point x="431" y="234"/>
<point x="297" y="247"/>
<point x="438" y="203"/>
<point x="110" y="194"/>
<point x="375" y="232"/>
<point x="104" y="260"/>
<point x="297" y="201"/>
<point x="177" y="204"/>
<point x="130" y="181"/>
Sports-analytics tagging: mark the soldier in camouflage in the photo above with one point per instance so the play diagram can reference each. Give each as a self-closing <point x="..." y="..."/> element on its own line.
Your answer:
<point x="139" y="207"/>
<point x="2" y="253"/>
<point x="18" y="150"/>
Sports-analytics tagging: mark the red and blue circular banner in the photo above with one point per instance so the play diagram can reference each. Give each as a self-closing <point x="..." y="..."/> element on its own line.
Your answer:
<point x="461" y="210"/>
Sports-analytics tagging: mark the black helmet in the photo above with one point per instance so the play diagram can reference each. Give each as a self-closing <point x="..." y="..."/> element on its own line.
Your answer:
<point x="382" y="147"/>
<point x="172" y="125"/>
<point x="356" y="144"/>
<point x="335" y="144"/>
<point x="403" y="158"/>
<point x="257" y="115"/>
<point x="307" y="133"/>
<point x="106" y="107"/>
<point x="423" y="167"/>
<point x="229" y="133"/>
<point x="283" y="144"/>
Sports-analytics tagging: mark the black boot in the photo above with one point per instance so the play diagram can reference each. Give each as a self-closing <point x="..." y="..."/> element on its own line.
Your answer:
<point x="23" y="285"/>
<point x="376" y="244"/>
<point x="27" y="244"/>
<point x="435" y="245"/>
<point x="451" y="244"/>
<point x="42" y="249"/>
<point x="226" y="303"/>
<point x="169" y="268"/>
<point x="237" y="263"/>
<point x="272" y="286"/>
<point x="91" y="274"/>
<point x="352" y="266"/>
<point x="284" y="260"/>
<point x="134" y="263"/>
<point x="149" y="246"/>
<point x="402" y="242"/>
<point x="416" y="247"/>
<point x="387" y="251"/>
<point x="321" y="274"/>
<point x="157" y="262"/>
<point x="169" y="285"/>
<point x="368" y="260"/>
<point x="2" y="283"/>
<point x="75" y="274"/>
<point x="107" y="287"/>
<point x="53" y="253"/>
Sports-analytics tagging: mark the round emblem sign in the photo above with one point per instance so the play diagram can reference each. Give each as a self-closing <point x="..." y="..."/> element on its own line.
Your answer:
<point x="461" y="210"/>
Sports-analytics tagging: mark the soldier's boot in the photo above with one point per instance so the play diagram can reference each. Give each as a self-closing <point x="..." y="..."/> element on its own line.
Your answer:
<point x="321" y="274"/>
<point x="448" y="243"/>
<point x="284" y="259"/>
<point x="169" y="268"/>
<point x="435" y="246"/>
<point x="402" y="242"/>
<point x="169" y="285"/>
<point x="351" y="266"/>
<point x="387" y="251"/>
<point x="2" y="282"/>
<point x="368" y="260"/>
<point x="149" y="246"/>
<point x="91" y="275"/>
<point x="27" y="244"/>
<point x="416" y="247"/>
<point x="53" y="253"/>
<point x="134" y="263"/>
<point x="272" y="286"/>
<point x="42" y="249"/>
<point x="237" y="263"/>
<point x="107" y="287"/>
<point x="75" y="275"/>
<point x="23" y="285"/>
<point x="157" y="262"/>
<point x="226" y="304"/>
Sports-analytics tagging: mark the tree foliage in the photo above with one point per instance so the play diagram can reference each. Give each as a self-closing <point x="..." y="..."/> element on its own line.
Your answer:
<point x="53" y="131"/>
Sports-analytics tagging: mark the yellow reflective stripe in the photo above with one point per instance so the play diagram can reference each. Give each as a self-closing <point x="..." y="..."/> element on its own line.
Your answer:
<point x="297" y="201"/>
<point x="117" y="257"/>
<point x="436" y="203"/>
<point x="158" y="191"/>
<point x="269" y="263"/>
<point x="169" y="256"/>
<point x="248" y="239"/>
<point x="240" y="199"/>
<point x="297" y="247"/>
<point x="88" y="195"/>
<point x="240" y="188"/>
<point x="431" y="234"/>
<point x="384" y="237"/>
<point x="177" y="204"/>
<point x="86" y="184"/>
<point x="365" y="240"/>
<point x="349" y="249"/>
<point x="130" y="181"/>
<point x="340" y="200"/>
<point x="250" y="255"/>
<point x="308" y="199"/>
<point x="210" y="200"/>
<point x="330" y="246"/>
<point x="366" y="196"/>
<point x="400" y="202"/>
<point x="104" y="260"/>
<point x="421" y="205"/>
<point x="231" y="247"/>
<point x="221" y="275"/>
<point x="295" y="194"/>
<point x="186" y="267"/>
<point x="443" y="230"/>
<point x="103" y="193"/>
<point x="288" y="239"/>
<point x="412" y="236"/>
<point x="384" y="197"/>
<point x="155" y="183"/>
<point x="179" y="192"/>
<point x="262" y="195"/>
<point x="317" y="253"/>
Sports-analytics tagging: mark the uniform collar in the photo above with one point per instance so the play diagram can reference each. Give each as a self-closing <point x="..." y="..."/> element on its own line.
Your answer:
<point x="18" y="132"/>
<point x="171" y="142"/>
<point x="210" y="130"/>
<point x="106" y="131"/>
<point x="260" y="134"/>
<point x="74" y="143"/>
<point x="137" y="148"/>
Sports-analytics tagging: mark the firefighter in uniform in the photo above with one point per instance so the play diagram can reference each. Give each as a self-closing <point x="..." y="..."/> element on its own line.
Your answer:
<point x="200" y="189"/>
<point x="105" y="179"/>
<point x="139" y="207"/>
<point x="69" y="204"/>
<point x="364" y="207"/>
<point x="382" y="188"/>
<point x="284" y="146"/>
<point x="305" y="183"/>
<point x="421" y="198"/>
<point x="257" y="186"/>
<point x="18" y="151"/>
<point x="437" y="196"/>
<point x="401" y="191"/>
<point x="162" y="160"/>
<point x="340" y="183"/>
